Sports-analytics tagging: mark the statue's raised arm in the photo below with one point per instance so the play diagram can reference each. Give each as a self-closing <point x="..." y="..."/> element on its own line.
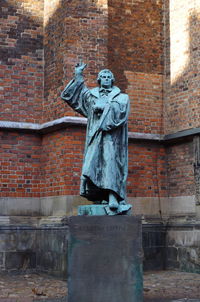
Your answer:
<point x="79" y="70"/>
<point x="105" y="165"/>
<point x="76" y="93"/>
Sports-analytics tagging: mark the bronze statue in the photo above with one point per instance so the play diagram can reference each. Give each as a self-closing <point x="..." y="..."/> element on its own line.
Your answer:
<point x="105" y="164"/>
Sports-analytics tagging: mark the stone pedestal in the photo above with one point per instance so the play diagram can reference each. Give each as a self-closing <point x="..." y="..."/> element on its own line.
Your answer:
<point x="105" y="259"/>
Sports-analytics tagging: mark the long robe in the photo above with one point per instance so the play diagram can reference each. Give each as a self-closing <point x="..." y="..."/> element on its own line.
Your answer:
<point x="105" y="164"/>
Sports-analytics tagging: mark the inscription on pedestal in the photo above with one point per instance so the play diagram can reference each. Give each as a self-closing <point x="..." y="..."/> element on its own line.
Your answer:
<point x="105" y="259"/>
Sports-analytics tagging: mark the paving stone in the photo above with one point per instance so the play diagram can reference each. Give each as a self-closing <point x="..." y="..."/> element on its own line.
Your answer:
<point x="52" y="300"/>
<point x="170" y="300"/>
<point x="159" y="286"/>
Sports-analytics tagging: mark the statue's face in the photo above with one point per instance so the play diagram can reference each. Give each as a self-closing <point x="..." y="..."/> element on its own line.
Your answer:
<point x="106" y="80"/>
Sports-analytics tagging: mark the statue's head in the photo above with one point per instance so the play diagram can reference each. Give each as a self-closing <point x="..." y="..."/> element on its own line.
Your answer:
<point x="105" y="78"/>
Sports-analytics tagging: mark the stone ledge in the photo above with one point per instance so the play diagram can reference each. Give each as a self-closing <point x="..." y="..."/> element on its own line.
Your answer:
<point x="45" y="127"/>
<point x="145" y="136"/>
<point x="65" y="122"/>
<point x="81" y="121"/>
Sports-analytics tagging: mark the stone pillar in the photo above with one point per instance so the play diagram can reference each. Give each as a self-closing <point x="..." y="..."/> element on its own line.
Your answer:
<point x="105" y="259"/>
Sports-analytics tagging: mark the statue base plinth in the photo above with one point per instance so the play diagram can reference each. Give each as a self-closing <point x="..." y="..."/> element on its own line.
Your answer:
<point x="103" y="209"/>
<point x="105" y="259"/>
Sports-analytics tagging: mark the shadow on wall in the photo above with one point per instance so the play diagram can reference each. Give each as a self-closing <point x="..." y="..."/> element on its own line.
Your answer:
<point x="19" y="35"/>
<point x="135" y="38"/>
<point x="76" y="30"/>
<point x="123" y="36"/>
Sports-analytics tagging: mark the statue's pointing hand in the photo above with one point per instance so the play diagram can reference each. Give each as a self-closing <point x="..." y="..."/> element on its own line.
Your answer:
<point x="79" y="68"/>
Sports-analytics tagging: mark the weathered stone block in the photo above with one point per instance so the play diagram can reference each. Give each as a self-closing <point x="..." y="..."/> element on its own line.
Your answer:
<point x="20" y="240"/>
<point x="154" y="258"/>
<point x="2" y="256"/>
<point x="154" y="246"/>
<point x="51" y="247"/>
<point x="105" y="259"/>
<point x="20" y="260"/>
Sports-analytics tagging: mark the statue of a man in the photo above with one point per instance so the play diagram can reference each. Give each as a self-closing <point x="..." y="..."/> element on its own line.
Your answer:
<point x="105" y="164"/>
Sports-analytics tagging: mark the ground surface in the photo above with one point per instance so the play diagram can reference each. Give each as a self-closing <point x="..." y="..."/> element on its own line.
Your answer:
<point x="162" y="286"/>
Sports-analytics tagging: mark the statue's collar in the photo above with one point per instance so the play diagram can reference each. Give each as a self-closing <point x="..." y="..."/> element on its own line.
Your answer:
<point x="115" y="91"/>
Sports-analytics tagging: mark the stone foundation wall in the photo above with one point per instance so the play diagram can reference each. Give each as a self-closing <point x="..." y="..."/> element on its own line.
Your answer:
<point x="44" y="247"/>
<point x="154" y="246"/>
<point x="172" y="246"/>
<point x="183" y="247"/>
<point x="41" y="248"/>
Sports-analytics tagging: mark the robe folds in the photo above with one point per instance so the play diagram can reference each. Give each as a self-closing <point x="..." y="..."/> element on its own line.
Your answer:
<point x="105" y="164"/>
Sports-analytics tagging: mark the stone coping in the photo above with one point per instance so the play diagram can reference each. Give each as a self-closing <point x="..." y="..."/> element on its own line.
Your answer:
<point x="67" y="121"/>
<point x="45" y="127"/>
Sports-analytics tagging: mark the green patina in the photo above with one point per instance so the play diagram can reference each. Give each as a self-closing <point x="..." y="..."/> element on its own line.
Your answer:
<point x="105" y="164"/>
<point x="99" y="210"/>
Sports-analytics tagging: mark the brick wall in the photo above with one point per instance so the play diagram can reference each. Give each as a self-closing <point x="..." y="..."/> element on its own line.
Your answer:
<point x="28" y="172"/>
<point x="62" y="155"/>
<point x="19" y="164"/>
<point x="99" y="33"/>
<point x="135" y="37"/>
<point x="73" y="31"/>
<point x="21" y="67"/>
<point x="146" y="95"/>
<point x="123" y="36"/>
<point x="182" y="88"/>
<point x="147" y="170"/>
<point x="180" y="168"/>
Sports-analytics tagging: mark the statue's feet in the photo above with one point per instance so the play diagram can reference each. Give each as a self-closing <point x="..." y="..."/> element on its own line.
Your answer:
<point x="113" y="205"/>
